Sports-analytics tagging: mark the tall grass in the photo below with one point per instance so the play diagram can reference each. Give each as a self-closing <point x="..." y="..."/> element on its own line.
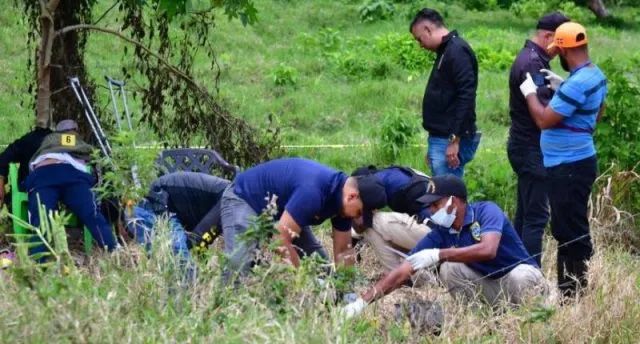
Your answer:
<point x="137" y="296"/>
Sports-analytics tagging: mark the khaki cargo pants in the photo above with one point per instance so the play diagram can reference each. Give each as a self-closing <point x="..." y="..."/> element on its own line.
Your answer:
<point x="393" y="230"/>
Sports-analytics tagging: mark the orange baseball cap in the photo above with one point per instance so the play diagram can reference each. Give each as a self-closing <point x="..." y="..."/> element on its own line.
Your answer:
<point x="569" y="35"/>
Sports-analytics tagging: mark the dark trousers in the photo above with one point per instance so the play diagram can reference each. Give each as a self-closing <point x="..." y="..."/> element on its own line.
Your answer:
<point x="532" y="212"/>
<point x="569" y="190"/>
<point x="63" y="183"/>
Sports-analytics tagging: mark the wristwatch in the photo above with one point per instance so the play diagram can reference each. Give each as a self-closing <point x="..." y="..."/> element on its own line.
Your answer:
<point x="452" y="138"/>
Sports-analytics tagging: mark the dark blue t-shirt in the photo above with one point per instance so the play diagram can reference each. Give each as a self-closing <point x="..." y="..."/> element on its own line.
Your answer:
<point x="309" y="191"/>
<point x="394" y="179"/>
<point x="482" y="218"/>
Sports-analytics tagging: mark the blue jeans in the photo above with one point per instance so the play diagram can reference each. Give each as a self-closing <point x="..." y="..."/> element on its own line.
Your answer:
<point x="437" y="154"/>
<point x="63" y="183"/>
<point x="141" y="225"/>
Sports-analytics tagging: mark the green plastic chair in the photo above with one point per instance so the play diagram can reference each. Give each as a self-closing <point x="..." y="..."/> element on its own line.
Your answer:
<point x="20" y="208"/>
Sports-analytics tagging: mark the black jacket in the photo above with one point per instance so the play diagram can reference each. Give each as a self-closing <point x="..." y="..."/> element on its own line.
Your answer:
<point x="449" y="103"/>
<point x="21" y="151"/>
<point x="193" y="197"/>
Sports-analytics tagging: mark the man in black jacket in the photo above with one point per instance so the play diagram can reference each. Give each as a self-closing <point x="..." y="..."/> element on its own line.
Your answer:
<point x="20" y="151"/>
<point x="523" y="147"/>
<point x="449" y="103"/>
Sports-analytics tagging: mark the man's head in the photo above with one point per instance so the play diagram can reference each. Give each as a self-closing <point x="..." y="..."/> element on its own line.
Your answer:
<point x="446" y="197"/>
<point x="547" y="25"/>
<point x="361" y="195"/>
<point x="427" y="27"/>
<point x="66" y="125"/>
<point x="570" y="42"/>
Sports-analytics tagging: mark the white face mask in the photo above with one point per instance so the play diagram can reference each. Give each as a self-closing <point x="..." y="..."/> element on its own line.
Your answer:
<point x="442" y="218"/>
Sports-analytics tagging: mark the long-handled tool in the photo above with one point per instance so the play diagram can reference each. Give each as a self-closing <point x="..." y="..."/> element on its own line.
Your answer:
<point x="103" y="142"/>
<point x="117" y="87"/>
<point x="117" y="90"/>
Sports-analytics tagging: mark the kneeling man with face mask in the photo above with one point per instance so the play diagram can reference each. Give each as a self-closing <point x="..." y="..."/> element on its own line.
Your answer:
<point x="478" y="251"/>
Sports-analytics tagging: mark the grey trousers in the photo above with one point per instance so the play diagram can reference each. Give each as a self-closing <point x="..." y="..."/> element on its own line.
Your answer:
<point x="523" y="281"/>
<point x="236" y="216"/>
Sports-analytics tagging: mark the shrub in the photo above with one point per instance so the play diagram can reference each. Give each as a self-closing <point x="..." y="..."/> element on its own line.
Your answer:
<point x="329" y="39"/>
<point x="529" y="8"/>
<point x="481" y="5"/>
<point x="536" y="8"/>
<point x="375" y="10"/>
<point x="394" y="135"/>
<point x="284" y="75"/>
<point x="492" y="58"/>
<point x="404" y="51"/>
<point x="618" y="131"/>
<point x="350" y="65"/>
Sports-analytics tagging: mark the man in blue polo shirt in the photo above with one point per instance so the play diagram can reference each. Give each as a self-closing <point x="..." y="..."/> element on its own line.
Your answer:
<point x="401" y="228"/>
<point x="305" y="193"/>
<point x="479" y="250"/>
<point x="569" y="154"/>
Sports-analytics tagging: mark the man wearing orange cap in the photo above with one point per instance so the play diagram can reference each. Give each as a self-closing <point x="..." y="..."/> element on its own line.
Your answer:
<point x="569" y="154"/>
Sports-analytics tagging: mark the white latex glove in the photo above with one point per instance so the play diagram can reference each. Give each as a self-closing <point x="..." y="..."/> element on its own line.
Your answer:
<point x="528" y="87"/>
<point x="424" y="259"/>
<point x="554" y="79"/>
<point x="353" y="309"/>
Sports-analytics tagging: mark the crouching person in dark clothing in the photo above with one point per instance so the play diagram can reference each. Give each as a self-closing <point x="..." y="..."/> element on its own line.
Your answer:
<point x="190" y="202"/>
<point x="59" y="174"/>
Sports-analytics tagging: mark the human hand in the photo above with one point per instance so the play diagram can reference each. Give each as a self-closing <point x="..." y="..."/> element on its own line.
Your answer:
<point x="452" y="154"/>
<point x="355" y="308"/>
<point x="554" y="79"/>
<point x="424" y="259"/>
<point x="528" y="86"/>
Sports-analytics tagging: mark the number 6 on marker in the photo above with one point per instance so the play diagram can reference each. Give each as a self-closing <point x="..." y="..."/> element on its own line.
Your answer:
<point x="68" y="140"/>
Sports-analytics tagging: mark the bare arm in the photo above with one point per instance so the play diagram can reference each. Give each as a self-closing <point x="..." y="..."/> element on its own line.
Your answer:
<point x="392" y="281"/>
<point x="544" y="117"/>
<point x="486" y="249"/>
<point x="343" y="253"/>
<point x="288" y="230"/>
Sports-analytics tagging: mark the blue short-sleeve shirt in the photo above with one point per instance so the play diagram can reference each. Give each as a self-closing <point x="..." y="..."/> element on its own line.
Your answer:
<point x="309" y="191"/>
<point x="482" y="218"/>
<point x="578" y="100"/>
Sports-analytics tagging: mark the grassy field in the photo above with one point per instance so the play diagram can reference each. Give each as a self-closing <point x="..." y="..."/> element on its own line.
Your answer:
<point x="328" y="79"/>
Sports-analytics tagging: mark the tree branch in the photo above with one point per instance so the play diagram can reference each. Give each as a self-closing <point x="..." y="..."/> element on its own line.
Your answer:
<point x="105" y="13"/>
<point x="53" y="5"/>
<point x="171" y="67"/>
<point x="175" y="70"/>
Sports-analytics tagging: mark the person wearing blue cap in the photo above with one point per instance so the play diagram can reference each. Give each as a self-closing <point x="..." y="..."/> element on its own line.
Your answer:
<point x="401" y="228"/>
<point x="304" y="193"/>
<point x="478" y="250"/>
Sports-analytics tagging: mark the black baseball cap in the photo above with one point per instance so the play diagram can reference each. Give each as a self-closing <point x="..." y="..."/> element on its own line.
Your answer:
<point x="372" y="195"/>
<point x="443" y="186"/>
<point x="551" y="21"/>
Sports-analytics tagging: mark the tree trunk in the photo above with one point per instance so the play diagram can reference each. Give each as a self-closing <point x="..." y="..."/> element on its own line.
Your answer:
<point x="67" y="60"/>
<point x="598" y="8"/>
<point x="43" y="101"/>
<point x="58" y="59"/>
